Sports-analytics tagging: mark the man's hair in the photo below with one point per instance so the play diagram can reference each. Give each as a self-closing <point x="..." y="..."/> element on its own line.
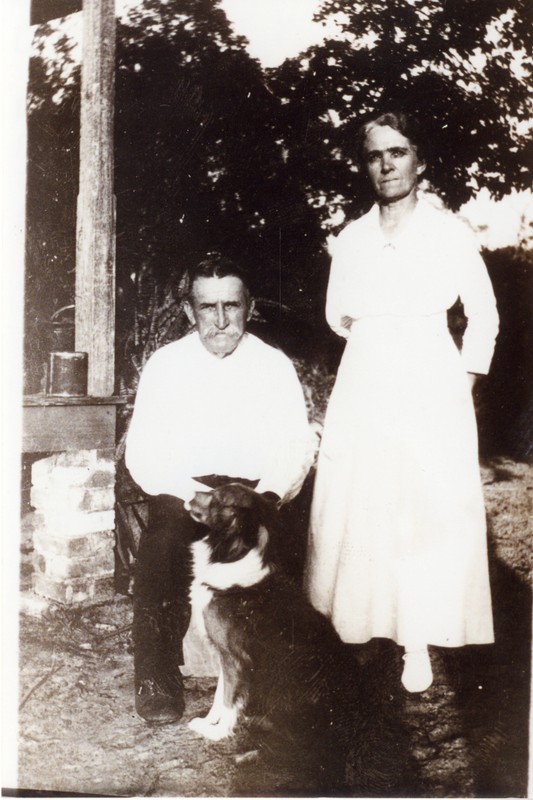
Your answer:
<point x="406" y="124"/>
<point x="214" y="265"/>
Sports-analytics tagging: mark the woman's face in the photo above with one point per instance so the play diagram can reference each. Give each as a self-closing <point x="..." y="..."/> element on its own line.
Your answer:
<point x="392" y="164"/>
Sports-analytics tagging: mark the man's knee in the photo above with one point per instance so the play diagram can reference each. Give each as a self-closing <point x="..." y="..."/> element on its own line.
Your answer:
<point x="163" y="569"/>
<point x="167" y="514"/>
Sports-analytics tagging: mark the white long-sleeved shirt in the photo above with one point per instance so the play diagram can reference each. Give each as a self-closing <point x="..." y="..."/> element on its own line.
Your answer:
<point x="433" y="261"/>
<point x="195" y="414"/>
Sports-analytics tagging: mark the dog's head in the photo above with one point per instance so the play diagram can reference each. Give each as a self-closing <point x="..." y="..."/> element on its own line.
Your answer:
<point x="239" y="520"/>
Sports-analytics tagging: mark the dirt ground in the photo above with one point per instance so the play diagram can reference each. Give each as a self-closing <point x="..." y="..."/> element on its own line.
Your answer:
<point x="467" y="736"/>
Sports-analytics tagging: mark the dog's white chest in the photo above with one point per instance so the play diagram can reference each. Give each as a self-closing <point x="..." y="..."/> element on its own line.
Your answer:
<point x="208" y="576"/>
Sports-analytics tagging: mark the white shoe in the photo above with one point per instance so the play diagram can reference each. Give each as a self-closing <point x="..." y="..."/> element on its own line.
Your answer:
<point x="417" y="675"/>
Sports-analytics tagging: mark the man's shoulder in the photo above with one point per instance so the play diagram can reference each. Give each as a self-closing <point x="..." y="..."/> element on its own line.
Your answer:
<point x="254" y="342"/>
<point x="257" y="347"/>
<point x="179" y="349"/>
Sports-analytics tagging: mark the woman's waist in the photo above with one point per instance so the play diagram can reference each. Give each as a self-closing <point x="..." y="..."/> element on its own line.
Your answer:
<point x="415" y="337"/>
<point x="437" y="322"/>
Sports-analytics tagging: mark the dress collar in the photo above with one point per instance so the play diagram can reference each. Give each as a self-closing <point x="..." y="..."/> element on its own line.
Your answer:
<point x="405" y="231"/>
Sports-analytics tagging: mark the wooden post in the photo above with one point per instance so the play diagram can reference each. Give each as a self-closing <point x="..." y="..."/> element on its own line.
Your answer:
<point x="95" y="243"/>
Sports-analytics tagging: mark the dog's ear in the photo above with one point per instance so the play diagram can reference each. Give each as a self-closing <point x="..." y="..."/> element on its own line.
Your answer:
<point x="269" y="507"/>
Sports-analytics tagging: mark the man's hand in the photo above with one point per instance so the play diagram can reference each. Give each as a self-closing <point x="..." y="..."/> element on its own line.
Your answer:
<point x="198" y="506"/>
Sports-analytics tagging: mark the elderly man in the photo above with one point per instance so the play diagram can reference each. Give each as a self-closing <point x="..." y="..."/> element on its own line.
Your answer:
<point x="219" y="405"/>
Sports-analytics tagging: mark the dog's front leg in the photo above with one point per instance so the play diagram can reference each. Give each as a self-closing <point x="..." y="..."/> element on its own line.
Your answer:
<point x="223" y="716"/>
<point x="215" y="712"/>
<point x="209" y="726"/>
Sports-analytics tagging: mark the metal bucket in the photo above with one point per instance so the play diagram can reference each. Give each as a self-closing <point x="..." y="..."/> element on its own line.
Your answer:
<point x="67" y="374"/>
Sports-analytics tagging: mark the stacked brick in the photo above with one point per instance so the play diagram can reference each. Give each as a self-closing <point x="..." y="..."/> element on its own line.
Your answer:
<point x="74" y="498"/>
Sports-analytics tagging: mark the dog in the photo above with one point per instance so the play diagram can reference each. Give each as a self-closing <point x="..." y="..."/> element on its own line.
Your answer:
<point x="283" y="669"/>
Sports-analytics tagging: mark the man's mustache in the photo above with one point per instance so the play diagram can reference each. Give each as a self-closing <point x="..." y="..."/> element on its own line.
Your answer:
<point x="229" y="331"/>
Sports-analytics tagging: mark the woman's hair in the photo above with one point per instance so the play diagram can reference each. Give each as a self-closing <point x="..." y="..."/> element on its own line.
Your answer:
<point x="404" y="123"/>
<point x="214" y="265"/>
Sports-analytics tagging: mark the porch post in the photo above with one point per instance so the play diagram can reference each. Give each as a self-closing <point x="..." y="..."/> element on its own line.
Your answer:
<point x="95" y="241"/>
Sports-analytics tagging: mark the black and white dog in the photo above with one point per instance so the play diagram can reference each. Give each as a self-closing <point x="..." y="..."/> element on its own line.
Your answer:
<point x="283" y="668"/>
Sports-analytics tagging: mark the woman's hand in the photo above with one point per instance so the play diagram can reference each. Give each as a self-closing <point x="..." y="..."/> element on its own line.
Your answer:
<point x="346" y="322"/>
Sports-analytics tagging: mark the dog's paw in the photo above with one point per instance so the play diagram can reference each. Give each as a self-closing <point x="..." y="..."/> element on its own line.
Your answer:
<point x="198" y="725"/>
<point x="215" y="731"/>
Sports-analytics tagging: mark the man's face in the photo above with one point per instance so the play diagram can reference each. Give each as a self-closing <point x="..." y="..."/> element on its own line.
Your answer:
<point x="392" y="163"/>
<point x="220" y="309"/>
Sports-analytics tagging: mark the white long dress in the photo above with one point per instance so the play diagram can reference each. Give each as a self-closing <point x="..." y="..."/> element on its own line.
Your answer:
<point x="397" y="543"/>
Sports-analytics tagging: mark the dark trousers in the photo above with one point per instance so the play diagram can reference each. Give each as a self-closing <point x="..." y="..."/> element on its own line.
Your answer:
<point x="163" y="576"/>
<point x="161" y="608"/>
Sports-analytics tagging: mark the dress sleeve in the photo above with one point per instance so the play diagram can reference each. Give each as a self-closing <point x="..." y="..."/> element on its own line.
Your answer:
<point x="340" y="263"/>
<point x="477" y="296"/>
<point x="150" y="453"/>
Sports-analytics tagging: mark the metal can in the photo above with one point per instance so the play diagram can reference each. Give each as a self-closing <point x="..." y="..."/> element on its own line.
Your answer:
<point x="67" y="374"/>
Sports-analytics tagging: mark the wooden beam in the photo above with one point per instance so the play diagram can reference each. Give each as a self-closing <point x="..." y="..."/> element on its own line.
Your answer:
<point x="49" y="429"/>
<point x="95" y="244"/>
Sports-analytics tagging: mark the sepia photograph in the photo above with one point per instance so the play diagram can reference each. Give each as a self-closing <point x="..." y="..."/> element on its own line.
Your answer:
<point x="267" y="398"/>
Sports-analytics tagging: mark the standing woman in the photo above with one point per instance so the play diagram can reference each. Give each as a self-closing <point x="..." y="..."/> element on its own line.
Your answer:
<point x="398" y="539"/>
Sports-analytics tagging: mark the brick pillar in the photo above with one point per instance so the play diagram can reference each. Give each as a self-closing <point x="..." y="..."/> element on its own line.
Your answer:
<point x="74" y="496"/>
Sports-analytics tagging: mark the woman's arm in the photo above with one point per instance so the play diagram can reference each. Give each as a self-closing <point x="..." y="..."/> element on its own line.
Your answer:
<point x="477" y="296"/>
<point x="338" y="321"/>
